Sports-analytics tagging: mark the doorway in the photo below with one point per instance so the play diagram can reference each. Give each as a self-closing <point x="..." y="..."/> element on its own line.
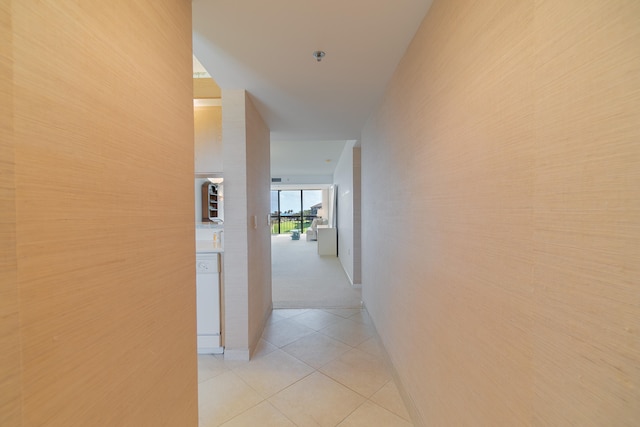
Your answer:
<point x="301" y="278"/>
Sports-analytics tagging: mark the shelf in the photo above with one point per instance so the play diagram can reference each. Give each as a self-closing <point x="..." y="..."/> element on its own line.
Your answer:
<point x="209" y="202"/>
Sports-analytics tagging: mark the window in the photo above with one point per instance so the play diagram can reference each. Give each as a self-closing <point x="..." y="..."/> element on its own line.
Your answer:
<point x="294" y="209"/>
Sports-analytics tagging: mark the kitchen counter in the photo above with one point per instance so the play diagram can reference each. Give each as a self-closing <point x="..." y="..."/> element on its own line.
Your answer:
<point x="208" y="247"/>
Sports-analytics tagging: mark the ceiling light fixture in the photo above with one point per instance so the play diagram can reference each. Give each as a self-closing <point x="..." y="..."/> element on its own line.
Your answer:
<point x="318" y="54"/>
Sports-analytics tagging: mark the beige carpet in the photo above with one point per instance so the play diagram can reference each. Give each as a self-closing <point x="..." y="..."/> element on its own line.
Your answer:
<point x="303" y="279"/>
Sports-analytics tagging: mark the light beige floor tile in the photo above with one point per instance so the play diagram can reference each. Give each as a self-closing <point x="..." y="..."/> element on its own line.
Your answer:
<point x="389" y="398"/>
<point x="275" y="317"/>
<point x="223" y="397"/>
<point x="263" y="415"/>
<point x="349" y="332"/>
<point x="263" y="348"/>
<point x="316" y="349"/>
<point x="230" y="364"/>
<point x="285" y="332"/>
<point x="233" y="364"/>
<point x="289" y="312"/>
<point x="273" y="372"/>
<point x="369" y="414"/>
<point x="316" y="401"/>
<point x="316" y="319"/>
<point x="362" y="316"/>
<point x="209" y="366"/>
<point x="359" y="371"/>
<point x="343" y="312"/>
<point x="372" y="346"/>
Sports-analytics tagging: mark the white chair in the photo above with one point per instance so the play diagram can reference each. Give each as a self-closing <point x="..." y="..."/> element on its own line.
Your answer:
<point x="312" y="232"/>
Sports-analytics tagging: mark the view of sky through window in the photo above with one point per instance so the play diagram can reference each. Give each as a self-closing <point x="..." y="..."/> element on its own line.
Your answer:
<point x="290" y="200"/>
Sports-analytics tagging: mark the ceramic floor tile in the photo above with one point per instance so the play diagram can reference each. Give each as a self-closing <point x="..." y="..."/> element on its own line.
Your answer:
<point x="362" y="316"/>
<point x="263" y="348"/>
<point x="223" y="397"/>
<point x="285" y="332"/>
<point x="350" y="368"/>
<point x="289" y="312"/>
<point x="273" y="372"/>
<point x="389" y="398"/>
<point x="343" y="312"/>
<point x="372" y="346"/>
<point x="209" y="366"/>
<point x="359" y="371"/>
<point x="275" y="317"/>
<point x="316" y="319"/>
<point x="263" y="415"/>
<point x="316" y="349"/>
<point x="316" y="401"/>
<point x="369" y="414"/>
<point x="349" y="332"/>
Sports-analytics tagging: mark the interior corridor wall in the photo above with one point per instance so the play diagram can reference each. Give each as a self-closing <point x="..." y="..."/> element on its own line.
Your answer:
<point x="247" y="258"/>
<point x="97" y="294"/>
<point x="10" y="356"/>
<point x="504" y="160"/>
<point x="343" y="178"/>
<point x="207" y="122"/>
<point x="258" y="208"/>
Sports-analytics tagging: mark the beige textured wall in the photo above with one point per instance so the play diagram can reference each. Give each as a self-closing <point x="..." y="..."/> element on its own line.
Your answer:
<point x="103" y="203"/>
<point x="206" y="88"/>
<point x="343" y="177"/>
<point x="247" y="258"/>
<point x="10" y="363"/>
<point x="259" y="233"/>
<point x="208" y="139"/>
<point x="236" y="275"/>
<point x="357" y="215"/>
<point x="508" y="141"/>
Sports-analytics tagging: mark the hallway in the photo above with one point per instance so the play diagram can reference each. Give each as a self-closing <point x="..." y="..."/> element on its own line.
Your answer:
<point x="313" y="367"/>
<point x="303" y="279"/>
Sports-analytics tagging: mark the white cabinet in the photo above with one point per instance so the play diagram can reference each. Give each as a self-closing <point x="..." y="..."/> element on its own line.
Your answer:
<point x="208" y="303"/>
<point x="327" y="240"/>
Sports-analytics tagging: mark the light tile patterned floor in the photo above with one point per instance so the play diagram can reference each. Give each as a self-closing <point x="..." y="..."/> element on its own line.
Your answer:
<point x="313" y="367"/>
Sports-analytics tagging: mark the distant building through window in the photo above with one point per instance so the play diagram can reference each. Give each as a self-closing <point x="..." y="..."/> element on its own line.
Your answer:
<point x="294" y="209"/>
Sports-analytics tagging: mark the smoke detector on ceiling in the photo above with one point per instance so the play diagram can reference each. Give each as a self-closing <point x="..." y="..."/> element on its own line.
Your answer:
<point x="319" y="54"/>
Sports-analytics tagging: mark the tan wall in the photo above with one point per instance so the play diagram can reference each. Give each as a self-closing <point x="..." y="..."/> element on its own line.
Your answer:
<point x="357" y="215"/>
<point x="236" y="275"/>
<point x="103" y="128"/>
<point x="208" y="139"/>
<point x="10" y="362"/>
<point x="508" y="142"/>
<point x="206" y="88"/>
<point x="259" y="234"/>
<point x="247" y="258"/>
<point x="344" y="179"/>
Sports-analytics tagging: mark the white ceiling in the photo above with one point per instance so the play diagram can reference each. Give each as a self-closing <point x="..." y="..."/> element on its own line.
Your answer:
<point x="305" y="157"/>
<point x="266" y="48"/>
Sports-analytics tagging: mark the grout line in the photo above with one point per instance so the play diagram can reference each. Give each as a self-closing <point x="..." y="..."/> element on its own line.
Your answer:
<point x="318" y="370"/>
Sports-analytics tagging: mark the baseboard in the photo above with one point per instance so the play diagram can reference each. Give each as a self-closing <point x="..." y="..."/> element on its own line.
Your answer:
<point x="410" y="405"/>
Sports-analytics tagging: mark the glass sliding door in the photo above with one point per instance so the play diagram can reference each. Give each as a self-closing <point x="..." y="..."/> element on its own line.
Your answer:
<point x="294" y="209"/>
<point x="311" y="203"/>
<point x="290" y="210"/>
<point x="275" y="212"/>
